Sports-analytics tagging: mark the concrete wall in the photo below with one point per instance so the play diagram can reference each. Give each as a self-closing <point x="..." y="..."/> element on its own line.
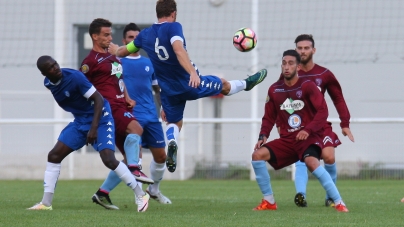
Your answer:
<point x="362" y="44"/>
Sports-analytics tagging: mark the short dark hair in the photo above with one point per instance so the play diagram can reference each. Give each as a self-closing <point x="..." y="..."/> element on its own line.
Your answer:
<point x="305" y="37"/>
<point x="130" y="27"/>
<point x="292" y="53"/>
<point x="97" y="24"/>
<point x="41" y="63"/>
<point x="165" y="7"/>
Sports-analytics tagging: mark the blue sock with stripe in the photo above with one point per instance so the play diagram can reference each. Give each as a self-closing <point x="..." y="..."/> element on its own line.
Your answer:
<point x="327" y="183"/>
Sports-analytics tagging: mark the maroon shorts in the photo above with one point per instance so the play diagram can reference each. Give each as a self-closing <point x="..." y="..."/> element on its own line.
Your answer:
<point x="330" y="139"/>
<point x="289" y="151"/>
<point x="122" y="117"/>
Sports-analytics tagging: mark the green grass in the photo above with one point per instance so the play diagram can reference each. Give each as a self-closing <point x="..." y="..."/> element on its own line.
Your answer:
<point x="204" y="203"/>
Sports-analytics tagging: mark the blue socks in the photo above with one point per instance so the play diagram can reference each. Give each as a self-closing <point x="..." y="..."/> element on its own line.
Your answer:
<point x="132" y="149"/>
<point x="301" y="177"/>
<point x="111" y="182"/>
<point x="327" y="183"/>
<point x="332" y="170"/>
<point x="262" y="177"/>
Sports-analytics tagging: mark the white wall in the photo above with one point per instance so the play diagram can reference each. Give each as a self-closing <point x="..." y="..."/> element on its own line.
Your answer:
<point x="363" y="44"/>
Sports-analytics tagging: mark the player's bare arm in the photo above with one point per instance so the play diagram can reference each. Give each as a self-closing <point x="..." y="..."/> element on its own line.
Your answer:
<point x="119" y="51"/>
<point x="98" y="104"/>
<point x="335" y="91"/>
<point x="185" y="62"/>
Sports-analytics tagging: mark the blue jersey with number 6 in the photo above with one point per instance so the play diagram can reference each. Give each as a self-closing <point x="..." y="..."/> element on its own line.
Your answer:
<point x="157" y="42"/>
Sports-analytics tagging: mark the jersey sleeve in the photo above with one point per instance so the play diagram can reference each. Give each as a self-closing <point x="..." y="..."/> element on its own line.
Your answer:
<point x="138" y="40"/>
<point x="270" y="115"/>
<point x="87" y="68"/>
<point x="316" y="98"/>
<point x="335" y="91"/>
<point x="84" y="86"/>
<point x="175" y="32"/>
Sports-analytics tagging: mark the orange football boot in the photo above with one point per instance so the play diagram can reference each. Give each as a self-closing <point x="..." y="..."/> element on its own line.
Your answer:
<point x="265" y="205"/>
<point x="341" y="208"/>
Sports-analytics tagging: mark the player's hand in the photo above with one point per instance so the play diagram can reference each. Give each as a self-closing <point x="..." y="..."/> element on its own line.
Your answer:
<point x="91" y="136"/>
<point x="112" y="48"/>
<point x="194" y="80"/>
<point x="130" y="103"/>
<point x="302" y="135"/>
<point x="347" y="132"/>
<point x="163" y="115"/>
<point x="260" y="143"/>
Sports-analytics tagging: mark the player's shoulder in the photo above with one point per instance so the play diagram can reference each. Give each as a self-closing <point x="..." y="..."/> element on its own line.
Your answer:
<point x="322" y="70"/>
<point x="277" y="85"/>
<point x="72" y="73"/>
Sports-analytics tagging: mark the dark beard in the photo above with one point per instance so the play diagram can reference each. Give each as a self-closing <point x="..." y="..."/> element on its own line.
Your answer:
<point x="309" y="57"/>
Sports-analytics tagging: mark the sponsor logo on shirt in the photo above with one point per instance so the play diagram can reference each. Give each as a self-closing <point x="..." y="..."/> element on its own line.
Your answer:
<point x="67" y="93"/>
<point x="147" y="68"/>
<point x="121" y="85"/>
<point x="291" y="105"/>
<point x="279" y="90"/>
<point x="294" y="121"/>
<point x="318" y="81"/>
<point x="116" y="69"/>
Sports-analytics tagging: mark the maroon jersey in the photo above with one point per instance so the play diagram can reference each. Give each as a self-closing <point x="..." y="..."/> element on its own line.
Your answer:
<point x="104" y="71"/>
<point x="299" y="107"/>
<point x="326" y="81"/>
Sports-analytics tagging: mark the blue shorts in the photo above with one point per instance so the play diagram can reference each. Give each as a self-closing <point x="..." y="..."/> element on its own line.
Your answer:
<point x="153" y="135"/>
<point x="174" y="105"/>
<point x="74" y="135"/>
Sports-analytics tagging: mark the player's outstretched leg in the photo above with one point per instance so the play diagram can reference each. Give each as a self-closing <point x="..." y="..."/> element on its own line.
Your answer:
<point x="255" y="79"/>
<point x="301" y="179"/>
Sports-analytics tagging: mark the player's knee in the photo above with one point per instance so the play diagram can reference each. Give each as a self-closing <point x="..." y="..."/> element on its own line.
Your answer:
<point x="329" y="159"/>
<point x="108" y="158"/>
<point x="159" y="155"/>
<point x="54" y="157"/>
<point x="258" y="155"/>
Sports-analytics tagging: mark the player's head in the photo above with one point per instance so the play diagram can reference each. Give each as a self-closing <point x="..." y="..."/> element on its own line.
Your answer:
<point x="101" y="32"/>
<point x="49" y="68"/>
<point x="290" y="64"/>
<point x="166" y="9"/>
<point x="130" y="32"/>
<point x="305" y="47"/>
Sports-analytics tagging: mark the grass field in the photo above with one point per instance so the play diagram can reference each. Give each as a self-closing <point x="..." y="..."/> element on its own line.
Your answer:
<point x="204" y="203"/>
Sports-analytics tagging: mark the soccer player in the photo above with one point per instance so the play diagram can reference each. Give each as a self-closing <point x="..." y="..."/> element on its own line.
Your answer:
<point x="93" y="124"/>
<point x="105" y="72"/>
<point x="178" y="77"/>
<point x="139" y="79"/>
<point x="302" y="112"/>
<point x="325" y="81"/>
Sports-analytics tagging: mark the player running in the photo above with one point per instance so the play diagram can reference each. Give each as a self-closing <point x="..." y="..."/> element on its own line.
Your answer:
<point x="178" y="77"/>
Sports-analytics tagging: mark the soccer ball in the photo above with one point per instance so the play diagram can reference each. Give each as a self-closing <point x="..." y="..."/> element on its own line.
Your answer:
<point x="245" y="39"/>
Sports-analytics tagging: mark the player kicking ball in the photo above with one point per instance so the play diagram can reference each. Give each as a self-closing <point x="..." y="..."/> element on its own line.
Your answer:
<point x="302" y="112"/>
<point x="93" y="124"/>
<point x="178" y="76"/>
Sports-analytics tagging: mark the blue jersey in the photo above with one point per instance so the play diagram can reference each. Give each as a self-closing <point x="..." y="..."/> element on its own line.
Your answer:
<point x="157" y="42"/>
<point x="139" y="75"/>
<point x="72" y="93"/>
